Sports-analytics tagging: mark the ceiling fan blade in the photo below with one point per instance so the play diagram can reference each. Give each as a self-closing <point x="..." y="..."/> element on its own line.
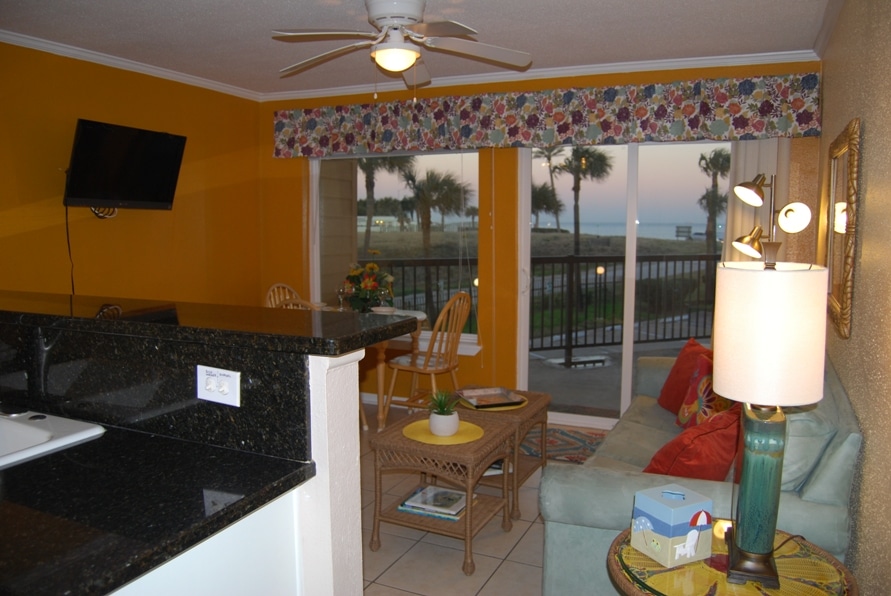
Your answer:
<point x="480" y="51"/>
<point x="295" y="68"/>
<point x="417" y="75"/>
<point x="441" y="29"/>
<point x="320" y="34"/>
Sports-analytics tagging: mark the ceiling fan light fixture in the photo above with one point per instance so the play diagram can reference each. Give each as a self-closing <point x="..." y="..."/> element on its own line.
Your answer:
<point x="394" y="57"/>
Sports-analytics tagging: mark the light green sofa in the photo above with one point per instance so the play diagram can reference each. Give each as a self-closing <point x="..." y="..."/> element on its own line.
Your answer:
<point x="584" y="507"/>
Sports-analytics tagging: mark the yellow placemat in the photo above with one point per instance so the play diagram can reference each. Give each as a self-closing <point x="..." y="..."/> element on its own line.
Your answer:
<point x="470" y="406"/>
<point x="420" y="431"/>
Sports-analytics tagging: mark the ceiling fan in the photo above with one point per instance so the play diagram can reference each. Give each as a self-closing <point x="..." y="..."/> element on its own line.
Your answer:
<point x="395" y="46"/>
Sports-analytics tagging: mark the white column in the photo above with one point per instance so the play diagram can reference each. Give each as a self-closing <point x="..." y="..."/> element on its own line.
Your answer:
<point x="329" y="505"/>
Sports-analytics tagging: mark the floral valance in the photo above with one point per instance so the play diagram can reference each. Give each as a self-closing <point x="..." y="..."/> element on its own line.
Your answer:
<point x="706" y="109"/>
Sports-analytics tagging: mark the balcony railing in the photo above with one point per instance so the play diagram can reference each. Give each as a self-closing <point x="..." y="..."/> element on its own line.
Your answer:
<point x="578" y="301"/>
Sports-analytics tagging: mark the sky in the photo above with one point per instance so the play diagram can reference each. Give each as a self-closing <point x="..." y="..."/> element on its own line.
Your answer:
<point x="670" y="183"/>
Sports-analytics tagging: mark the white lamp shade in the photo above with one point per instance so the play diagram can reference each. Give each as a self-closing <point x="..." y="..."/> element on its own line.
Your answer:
<point x="769" y="335"/>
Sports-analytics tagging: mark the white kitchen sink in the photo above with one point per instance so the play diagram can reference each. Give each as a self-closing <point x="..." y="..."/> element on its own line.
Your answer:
<point x="30" y="435"/>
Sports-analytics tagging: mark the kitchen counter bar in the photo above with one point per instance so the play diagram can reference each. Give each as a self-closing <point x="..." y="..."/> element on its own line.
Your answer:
<point x="171" y="470"/>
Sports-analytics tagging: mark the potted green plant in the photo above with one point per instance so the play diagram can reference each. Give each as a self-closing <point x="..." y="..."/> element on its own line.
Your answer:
<point x="443" y="417"/>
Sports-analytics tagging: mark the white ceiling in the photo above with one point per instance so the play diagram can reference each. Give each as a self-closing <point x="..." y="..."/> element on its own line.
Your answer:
<point x="227" y="44"/>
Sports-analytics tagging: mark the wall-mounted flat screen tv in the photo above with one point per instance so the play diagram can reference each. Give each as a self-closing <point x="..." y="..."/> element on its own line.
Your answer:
<point x="118" y="166"/>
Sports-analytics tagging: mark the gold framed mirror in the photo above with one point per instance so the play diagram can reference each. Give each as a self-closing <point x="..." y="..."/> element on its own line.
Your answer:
<point x="844" y="188"/>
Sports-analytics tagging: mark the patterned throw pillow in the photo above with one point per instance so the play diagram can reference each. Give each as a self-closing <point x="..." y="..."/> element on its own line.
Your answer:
<point x="701" y="402"/>
<point x="675" y="388"/>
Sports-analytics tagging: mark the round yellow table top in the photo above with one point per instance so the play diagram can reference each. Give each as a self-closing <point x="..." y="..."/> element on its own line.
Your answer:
<point x="420" y="431"/>
<point x="803" y="568"/>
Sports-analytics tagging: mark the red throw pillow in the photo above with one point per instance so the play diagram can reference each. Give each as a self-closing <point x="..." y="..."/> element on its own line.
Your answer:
<point x="701" y="402"/>
<point x="705" y="451"/>
<point x="675" y="388"/>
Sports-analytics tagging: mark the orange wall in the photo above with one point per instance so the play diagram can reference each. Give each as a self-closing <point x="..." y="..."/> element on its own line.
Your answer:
<point x="206" y="249"/>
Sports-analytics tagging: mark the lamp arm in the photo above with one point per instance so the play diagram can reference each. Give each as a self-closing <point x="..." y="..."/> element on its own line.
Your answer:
<point x="773" y="213"/>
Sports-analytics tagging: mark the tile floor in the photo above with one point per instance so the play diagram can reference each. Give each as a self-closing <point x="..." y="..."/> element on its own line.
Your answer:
<point x="414" y="562"/>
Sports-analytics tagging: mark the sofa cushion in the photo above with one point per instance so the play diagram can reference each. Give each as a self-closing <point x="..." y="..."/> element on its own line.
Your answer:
<point x="705" y="451"/>
<point x="644" y="410"/>
<point x="675" y="388"/>
<point x="632" y="444"/>
<point x="642" y="430"/>
<point x="807" y="434"/>
<point x="701" y="403"/>
<point x="833" y="477"/>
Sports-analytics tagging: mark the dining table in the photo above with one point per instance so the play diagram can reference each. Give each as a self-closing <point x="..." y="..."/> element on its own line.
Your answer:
<point x="381" y="365"/>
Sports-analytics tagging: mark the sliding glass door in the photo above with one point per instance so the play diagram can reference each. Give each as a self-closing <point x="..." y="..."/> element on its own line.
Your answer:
<point x="621" y="261"/>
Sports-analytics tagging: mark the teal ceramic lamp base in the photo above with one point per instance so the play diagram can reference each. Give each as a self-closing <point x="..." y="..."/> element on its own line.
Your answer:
<point x="750" y="541"/>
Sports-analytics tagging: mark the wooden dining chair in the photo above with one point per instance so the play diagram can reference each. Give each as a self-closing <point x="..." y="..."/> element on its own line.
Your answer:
<point x="284" y="296"/>
<point x="440" y="358"/>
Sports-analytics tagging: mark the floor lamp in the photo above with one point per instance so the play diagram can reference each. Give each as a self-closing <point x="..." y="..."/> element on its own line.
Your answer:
<point x="769" y="342"/>
<point x="792" y="218"/>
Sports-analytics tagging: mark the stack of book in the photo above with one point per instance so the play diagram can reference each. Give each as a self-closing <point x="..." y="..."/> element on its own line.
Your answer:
<point x="436" y="501"/>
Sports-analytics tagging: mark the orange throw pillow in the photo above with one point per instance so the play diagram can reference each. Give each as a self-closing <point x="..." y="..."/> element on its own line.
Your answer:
<point x="701" y="402"/>
<point x="675" y="388"/>
<point x="705" y="451"/>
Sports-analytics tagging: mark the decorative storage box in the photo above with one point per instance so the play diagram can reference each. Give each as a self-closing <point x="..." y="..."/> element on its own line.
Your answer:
<point x="672" y="525"/>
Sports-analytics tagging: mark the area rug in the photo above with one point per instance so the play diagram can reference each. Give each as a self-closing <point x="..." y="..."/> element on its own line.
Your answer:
<point x="564" y="444"/>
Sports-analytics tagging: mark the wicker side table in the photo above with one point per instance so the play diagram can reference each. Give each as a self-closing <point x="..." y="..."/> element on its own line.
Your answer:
<point x="461" y="465"/>
<point x="804" y="570"/>
<point x="535" y="412"/>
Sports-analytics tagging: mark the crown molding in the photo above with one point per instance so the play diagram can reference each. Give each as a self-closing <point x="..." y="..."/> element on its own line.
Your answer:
<point x="500" y="77"/>
<point x="67" y="51"/>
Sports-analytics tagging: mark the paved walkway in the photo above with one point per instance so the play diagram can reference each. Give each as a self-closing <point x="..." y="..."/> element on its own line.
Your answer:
<point x="591" y="390"/>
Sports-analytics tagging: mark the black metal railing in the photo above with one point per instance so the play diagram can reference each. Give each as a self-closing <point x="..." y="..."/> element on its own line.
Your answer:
<point x="447" y="276"/>
<point x="579" y="301"/>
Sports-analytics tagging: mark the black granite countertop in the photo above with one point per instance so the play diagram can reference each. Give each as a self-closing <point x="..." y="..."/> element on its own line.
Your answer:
<point x="89" y="519"/>
<point x="325" y="333"/>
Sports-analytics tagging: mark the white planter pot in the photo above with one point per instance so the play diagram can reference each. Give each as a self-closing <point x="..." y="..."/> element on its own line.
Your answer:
<point x="444" y="426"/>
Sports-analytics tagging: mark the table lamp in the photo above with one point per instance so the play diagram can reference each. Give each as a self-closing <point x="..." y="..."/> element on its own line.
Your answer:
<point x="769" y="343"/>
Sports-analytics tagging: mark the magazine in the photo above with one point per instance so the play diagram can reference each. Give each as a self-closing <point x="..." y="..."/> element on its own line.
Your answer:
<point x="490" y="397"/>
<point x="437" y="499"/>
<point x="497" y="468"/>
<point x="446" y="516"/>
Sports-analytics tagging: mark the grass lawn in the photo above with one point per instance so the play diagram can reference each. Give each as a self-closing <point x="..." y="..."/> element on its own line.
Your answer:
<point x="400" y="245"/>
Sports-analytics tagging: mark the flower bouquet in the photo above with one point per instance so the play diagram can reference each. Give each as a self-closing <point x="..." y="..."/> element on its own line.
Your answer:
<point x="368" y="286"/>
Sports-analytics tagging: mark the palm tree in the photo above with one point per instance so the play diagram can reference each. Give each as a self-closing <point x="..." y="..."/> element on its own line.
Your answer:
<point x="543" y="200"/>
<point x="549" y="154"/>
<point x="556" y="209"/>
<point x="409" y="207"/>
<point x="441" y="191"/>
<point x="583" y="163"/>
<point x="714" y="203"/>
<point x="370" y="166"/>
<point x="472" y="212"/>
